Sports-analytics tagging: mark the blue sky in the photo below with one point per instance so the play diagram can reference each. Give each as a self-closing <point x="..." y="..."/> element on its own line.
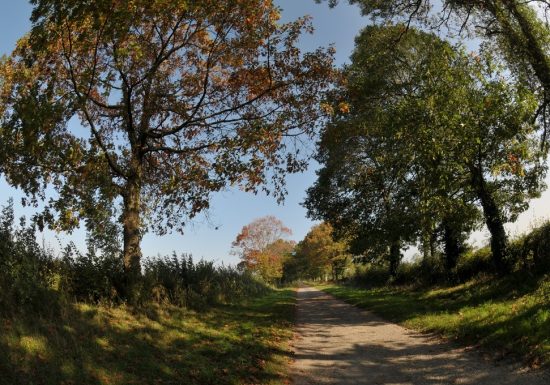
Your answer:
<point x="232" y="209"/>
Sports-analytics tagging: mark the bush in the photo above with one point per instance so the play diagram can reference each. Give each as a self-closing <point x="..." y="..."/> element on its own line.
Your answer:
<point x="31" y="279"/>
<point x="27" y="270"/>
<point x="91" y="277"/>
<point x="474" y="263"/>
<point x="423" y="271"/>
<point x="371" y="275"/>
<point x="180" y="281"/>
<point x="532" y="251"/>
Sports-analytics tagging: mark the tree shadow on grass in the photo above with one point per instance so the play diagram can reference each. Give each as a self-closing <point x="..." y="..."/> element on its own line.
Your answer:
<point x="163" y="345"/>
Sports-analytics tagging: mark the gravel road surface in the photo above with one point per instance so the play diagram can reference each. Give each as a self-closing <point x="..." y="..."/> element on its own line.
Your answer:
<point x="337" y="343"/>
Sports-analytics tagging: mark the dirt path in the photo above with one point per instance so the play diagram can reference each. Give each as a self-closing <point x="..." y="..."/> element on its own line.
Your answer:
<point x="337" y="343"/>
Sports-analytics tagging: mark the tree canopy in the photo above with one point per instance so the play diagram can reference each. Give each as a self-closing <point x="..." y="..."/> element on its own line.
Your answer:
<point x="431" y="135"/>
<point x="516" y="29"/>
<point x="138" y="110"/>
<point x="319" y="256"/>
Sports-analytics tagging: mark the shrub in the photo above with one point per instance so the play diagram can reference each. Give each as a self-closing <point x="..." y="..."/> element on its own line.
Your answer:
<point x="180" y="281"/>
<point x="532" y="251"/>
<point x="27" y="270"/>
<point x="32" y="279"/>
<point x="371" y="275"/>
<point x="423" y="271"/>
<point x="91" y="277"/>
<point x="473" y="263"/>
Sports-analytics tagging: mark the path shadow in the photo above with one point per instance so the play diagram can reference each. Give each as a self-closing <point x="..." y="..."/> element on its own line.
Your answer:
<point x="376" y="354"/>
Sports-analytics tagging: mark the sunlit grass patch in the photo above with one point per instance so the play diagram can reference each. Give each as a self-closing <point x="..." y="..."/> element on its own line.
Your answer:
<point x="33" y="344"/>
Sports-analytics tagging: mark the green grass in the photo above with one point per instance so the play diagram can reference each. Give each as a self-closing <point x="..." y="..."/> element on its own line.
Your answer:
<point x="505" y="317"/>
<point x="245" y="344"/>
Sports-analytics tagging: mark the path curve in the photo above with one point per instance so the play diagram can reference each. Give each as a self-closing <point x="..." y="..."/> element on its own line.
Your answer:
<point x="337" y="343"/>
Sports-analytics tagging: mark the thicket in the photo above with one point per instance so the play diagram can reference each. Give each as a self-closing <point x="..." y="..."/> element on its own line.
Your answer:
<point x="27" y="270"/>
<point x="33" y="278"/>
<point x="529" y="254"/>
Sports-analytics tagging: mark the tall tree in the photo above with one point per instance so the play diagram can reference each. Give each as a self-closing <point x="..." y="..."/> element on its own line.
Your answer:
<point x="517" y="29"/>
<point x="175" y="100"/>
<point x="461" y="132"/>
<point x="365" y="189"/>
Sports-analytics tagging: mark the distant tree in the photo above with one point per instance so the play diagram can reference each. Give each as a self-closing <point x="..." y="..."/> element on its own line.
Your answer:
<point x="175" y="100"/>
<point x="272" y="259"/>
<point x="262" y="247"/>
<point x="321" y="255"/>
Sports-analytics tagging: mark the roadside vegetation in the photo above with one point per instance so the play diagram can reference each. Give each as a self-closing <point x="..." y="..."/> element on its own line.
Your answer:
<point x="506" y="315"/>
<point x="62" y="320"/>
<point x="95" y="344"/>
<point x="421" y="140"/>
<point x="430" y="139"/>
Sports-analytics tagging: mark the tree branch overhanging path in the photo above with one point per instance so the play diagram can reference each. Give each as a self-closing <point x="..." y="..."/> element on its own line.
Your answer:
<point x="337" y="343"/>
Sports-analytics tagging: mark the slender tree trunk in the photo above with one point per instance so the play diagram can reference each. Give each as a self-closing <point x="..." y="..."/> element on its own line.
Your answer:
<point x="395" y="258"/>
<point x="132" y="237"/>
<point x="451" y="237"/>
<point x="493" y="220"/>
<point x="426" y="246"/>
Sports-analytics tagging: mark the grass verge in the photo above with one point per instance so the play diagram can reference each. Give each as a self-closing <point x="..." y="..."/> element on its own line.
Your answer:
<point x="84" y="344"/>
<point x="506" y="317"/>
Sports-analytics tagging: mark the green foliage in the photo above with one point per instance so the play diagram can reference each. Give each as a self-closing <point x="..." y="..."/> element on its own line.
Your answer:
<point x="32" y="279"/>
<point x="91" y="277"/>
<point x="62" y="320"/>
<point x="516" y="30"/>
<point x="175" y="100"/>
<point x="430" y="137"/>
<point x="318" y="256"/>
<point x="172" y="280"/>
<point x="180" y="281"/>
<point x="370" y="275"/>
<point x="528" y="255"/>
<point x="532" y="251"/>
<point x="26" y="269"/>
<point x="474" y="263"/>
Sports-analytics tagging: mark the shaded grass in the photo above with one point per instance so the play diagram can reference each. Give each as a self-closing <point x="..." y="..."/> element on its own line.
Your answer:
<point x="244" y="344"/>
<point x="509" y="316"/>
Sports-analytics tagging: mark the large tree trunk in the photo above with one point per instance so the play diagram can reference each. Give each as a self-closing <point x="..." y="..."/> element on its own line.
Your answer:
<point x="132" y="237"/>
<point x="493" y="220"/>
